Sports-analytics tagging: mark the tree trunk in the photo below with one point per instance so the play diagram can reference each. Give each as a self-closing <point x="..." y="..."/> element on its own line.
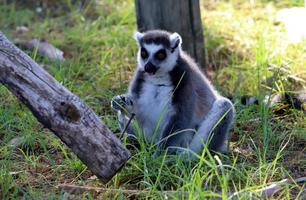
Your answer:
<point x="181" y="16"/>
<point x="62" y="112"/>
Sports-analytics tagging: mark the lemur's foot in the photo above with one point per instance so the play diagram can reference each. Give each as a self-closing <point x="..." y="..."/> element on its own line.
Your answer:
<point x="121" y="103"/>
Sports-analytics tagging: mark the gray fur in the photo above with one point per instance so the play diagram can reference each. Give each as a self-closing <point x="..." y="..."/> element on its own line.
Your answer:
<point x="178" y="97"/>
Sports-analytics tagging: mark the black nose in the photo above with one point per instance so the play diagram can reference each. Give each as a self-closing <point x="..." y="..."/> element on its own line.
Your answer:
<point x="150" y="68"/>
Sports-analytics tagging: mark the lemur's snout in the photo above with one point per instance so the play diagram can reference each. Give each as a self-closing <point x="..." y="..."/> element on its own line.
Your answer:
<point x="150" y="68"/>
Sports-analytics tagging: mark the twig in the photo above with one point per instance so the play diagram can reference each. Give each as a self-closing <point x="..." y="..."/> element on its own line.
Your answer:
<point x="77" y="190"/>
<point x="264" y="192"/>
<point x="127" y="125"/>
<point x="290" y="75"/>
<point x="269" y="190"/>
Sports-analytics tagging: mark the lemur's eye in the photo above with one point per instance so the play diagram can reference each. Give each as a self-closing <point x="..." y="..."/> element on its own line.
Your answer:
<point x="161" y="54"/>
<point x="143" y="53"/>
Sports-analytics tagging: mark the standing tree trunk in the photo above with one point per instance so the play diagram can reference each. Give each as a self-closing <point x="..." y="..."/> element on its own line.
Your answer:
<point x="62" y="112"/>
<point x="181" y="16"/>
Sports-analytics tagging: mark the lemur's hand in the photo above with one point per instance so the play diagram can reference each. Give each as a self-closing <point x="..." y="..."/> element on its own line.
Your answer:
<point x="122" y="103"/>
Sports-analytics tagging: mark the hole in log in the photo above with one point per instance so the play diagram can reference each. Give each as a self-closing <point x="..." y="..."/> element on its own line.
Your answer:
<point x="69" y="112"/>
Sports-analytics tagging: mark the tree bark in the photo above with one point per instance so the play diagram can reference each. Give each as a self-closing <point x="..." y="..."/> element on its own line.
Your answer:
<point x="62" y="112"/>
<point x="181" y="16"/>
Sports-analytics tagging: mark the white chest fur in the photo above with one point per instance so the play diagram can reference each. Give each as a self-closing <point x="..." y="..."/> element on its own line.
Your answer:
<point x="154" y="105"/>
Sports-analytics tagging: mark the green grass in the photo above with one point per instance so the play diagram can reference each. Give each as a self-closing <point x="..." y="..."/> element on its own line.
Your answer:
<point x="241" y="41"/>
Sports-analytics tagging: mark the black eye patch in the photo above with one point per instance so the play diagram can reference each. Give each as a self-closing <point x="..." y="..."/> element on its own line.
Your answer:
<point x="143" y="53"/>
<point x="161" y="55"/>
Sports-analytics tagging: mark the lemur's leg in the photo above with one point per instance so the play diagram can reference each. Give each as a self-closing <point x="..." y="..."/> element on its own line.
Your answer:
<point x="215" y="128"/>
<point x="221" y="134"/>
<point x="123" y="105"/>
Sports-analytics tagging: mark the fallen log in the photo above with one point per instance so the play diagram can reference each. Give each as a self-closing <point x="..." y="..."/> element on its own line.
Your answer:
<point x="62" y="112"/>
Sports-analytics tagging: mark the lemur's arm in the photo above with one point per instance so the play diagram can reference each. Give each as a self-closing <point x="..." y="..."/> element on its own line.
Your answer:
<point x="176" y="132"/>
<point x="123" y="103"/>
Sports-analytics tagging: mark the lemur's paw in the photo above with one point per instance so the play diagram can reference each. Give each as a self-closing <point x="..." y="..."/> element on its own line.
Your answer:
<point x="121" y="102"/>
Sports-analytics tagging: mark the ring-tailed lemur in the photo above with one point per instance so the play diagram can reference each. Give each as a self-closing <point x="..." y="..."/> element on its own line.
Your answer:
<point x="173" y="102"/>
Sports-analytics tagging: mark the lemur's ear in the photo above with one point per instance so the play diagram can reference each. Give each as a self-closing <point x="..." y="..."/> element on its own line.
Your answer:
<point x="175" y="41"/>
<point x="138" y="36"/>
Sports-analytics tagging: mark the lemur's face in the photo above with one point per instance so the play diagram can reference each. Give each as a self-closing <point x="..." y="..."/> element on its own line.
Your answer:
<point x="158" y="51"/>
